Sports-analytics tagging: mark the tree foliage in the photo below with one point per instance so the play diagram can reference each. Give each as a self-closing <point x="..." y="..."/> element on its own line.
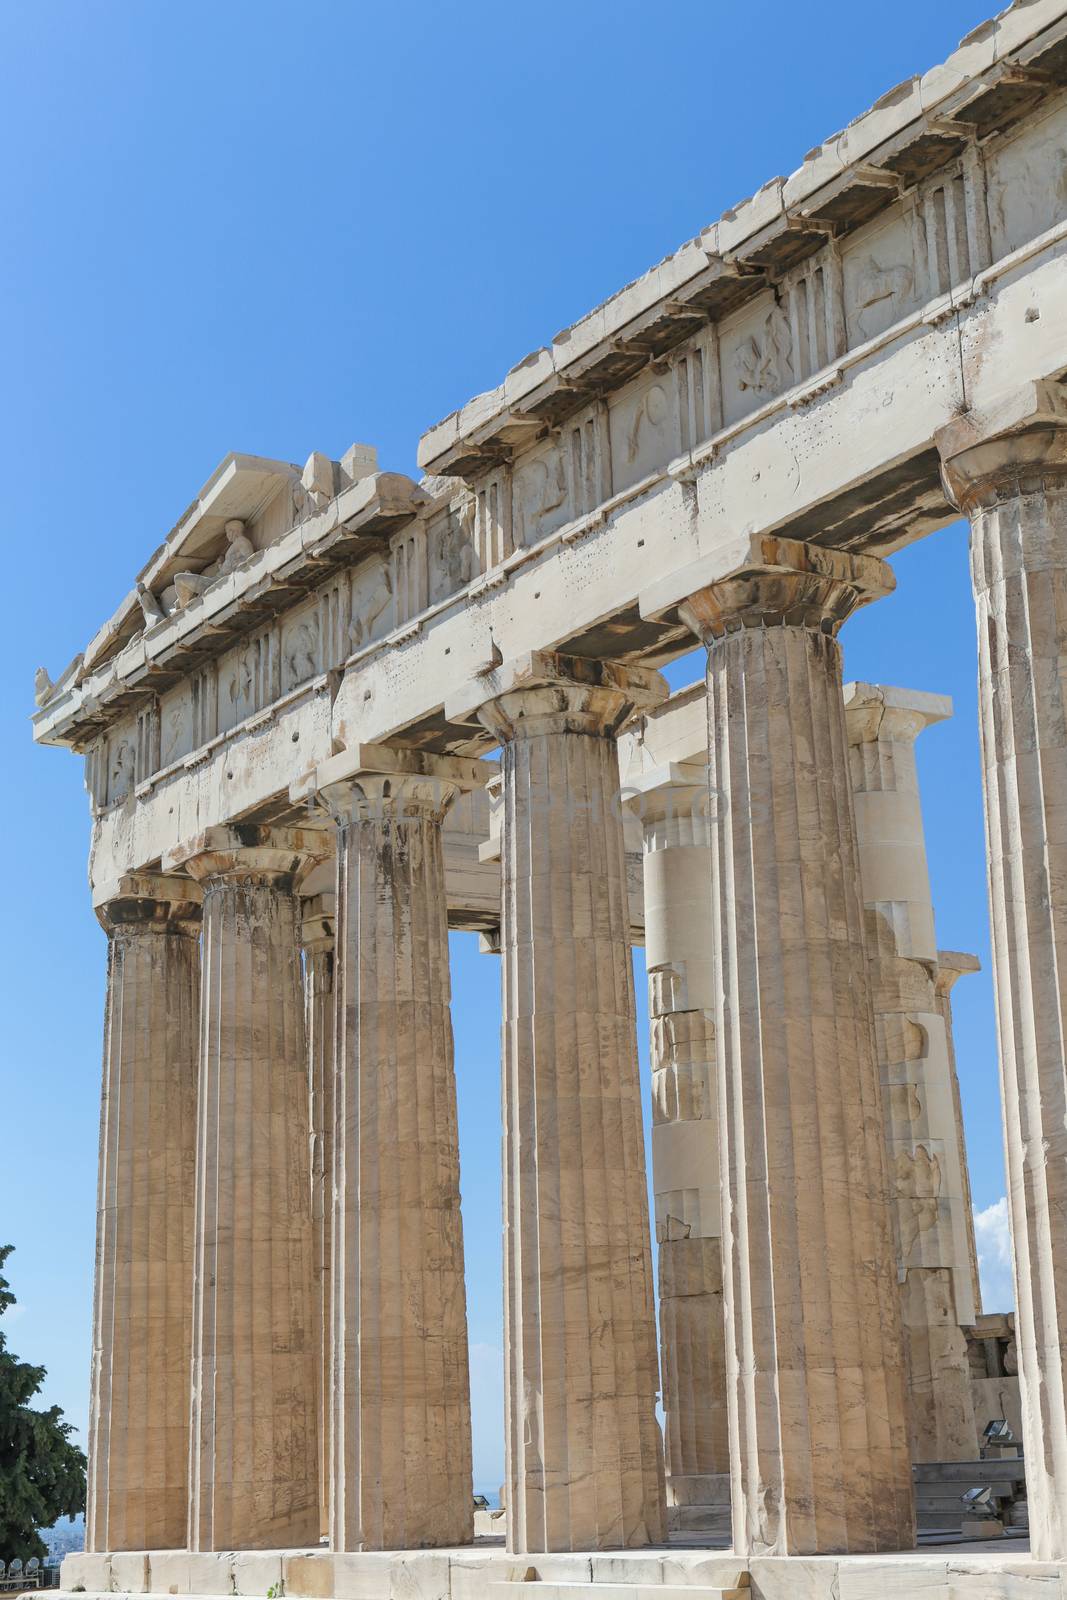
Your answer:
<point x="42" y="1474"/>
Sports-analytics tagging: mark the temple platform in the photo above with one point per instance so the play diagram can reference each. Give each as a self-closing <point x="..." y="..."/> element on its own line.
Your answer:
<point x="1000" y="1570"/>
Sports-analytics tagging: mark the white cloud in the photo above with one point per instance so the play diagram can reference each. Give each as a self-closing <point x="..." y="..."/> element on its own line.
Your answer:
<point x="993" y="1238"/>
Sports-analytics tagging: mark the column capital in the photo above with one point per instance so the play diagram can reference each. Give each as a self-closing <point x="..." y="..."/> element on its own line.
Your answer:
<point x="1016" y="448"/>
<point x="672" y="792"/>
<point x="876" y="711"/>
<point x="159" y="900"/>
<point x="250" y="853"/>
<point x="543" y="691"/>
<point x="375" y="781"/>
<point x="318" y="923"/>
<point x="785" y="583"/>
<point x="951" y="965"/>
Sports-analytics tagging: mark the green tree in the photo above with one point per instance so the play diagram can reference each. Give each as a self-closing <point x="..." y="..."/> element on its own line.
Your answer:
<point x="42" y="1475"/>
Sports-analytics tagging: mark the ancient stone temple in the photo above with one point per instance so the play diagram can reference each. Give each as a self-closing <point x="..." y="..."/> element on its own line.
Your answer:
<point x="340" y="712"/>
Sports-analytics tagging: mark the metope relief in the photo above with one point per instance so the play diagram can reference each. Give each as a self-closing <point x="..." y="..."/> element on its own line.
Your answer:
<point x="450" y="551"/>
<point x="372" y="604"/>
<point x="249" y="679"/>
<point x="542" y="494"/>
<point x="882" y="281"/>
<point x="757" y="358"/>
<point x="175" y="724"/>
<point x="643" y="430"/>
<point x="122" y="767"/>
<point x="300" y="651"/>
<point x="1028" y="182"/>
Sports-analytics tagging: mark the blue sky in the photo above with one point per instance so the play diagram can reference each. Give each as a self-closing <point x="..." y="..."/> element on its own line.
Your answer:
<point x="279" y="227"/>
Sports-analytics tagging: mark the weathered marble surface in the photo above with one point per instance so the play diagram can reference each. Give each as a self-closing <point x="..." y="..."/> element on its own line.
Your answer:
<point x="958" y="1574"/>
<point x="317" y="942"/>
<point x="253" y="1446"/>
<point x="933" y="1224"/>
<point x="814" y="1349"/>
<point x="138" y="1484"/>
<point x="400" y="1402"/>
<point x="584" y="1459"/>
<point x="672" y="803"/>
<point x="1008" y="472"/>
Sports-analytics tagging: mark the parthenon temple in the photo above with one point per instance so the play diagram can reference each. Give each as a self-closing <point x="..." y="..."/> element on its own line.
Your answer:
<point x="341" y="712"/>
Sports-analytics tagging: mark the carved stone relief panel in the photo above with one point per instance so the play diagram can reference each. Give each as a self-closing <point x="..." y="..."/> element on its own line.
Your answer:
<point x="450" y="550"/>
<point x="884" y="275"/>
<point x="250" y="677"/>
<point x="644" y="429"/>
<point x="756" y="350"/>
<point x="121" y="763"/>
<point x="176" y="724"/>
<point x="542" y="491"/>
<point x="1028" y="181"/>
<point x="300" y="647"/>
<point x="372" y="603"/>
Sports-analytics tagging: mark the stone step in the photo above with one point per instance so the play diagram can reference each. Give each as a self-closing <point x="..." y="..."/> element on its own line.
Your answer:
<point x="547" y="1590"/>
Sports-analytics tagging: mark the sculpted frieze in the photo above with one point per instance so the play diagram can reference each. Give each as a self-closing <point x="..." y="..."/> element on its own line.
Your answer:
<point x="1027" y="178"/>
<point x="300" y="651"/>
<point x="542" y="494"/>
<point x="757" y="357"/>
<point x="372" y="597"/>
<point x="881" y="280"/>
<point x="643" y="429"/>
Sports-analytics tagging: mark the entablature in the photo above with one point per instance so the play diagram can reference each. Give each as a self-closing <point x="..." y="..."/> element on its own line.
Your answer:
<point x="1001" y="73"/>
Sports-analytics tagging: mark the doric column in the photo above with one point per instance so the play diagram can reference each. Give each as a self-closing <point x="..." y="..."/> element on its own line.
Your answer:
<point x="672" y="803"/>
<point x="139" y="1402"/>
<point x="317" y="941"/>
<point x="584" y="1467"/>
<point x="253" y="1448"/>
<point x="920" y="1110"/>
<point x="1011" y="480"/>
<point x="951" y="966"/>
<point x="815" y="1372"/>
<point x="401" y="1427"/>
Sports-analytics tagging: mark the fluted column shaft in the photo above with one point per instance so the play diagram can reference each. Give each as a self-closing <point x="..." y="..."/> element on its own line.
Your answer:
<point x="814" y="1348"/>
<point x="139" y="1400"/>
<point x="317" y="939"/>
<point x="253" y="1448"/>
<point x="401" y="1394"/>
<point x="934" y="1229"/>
<point x="583" y="1452"/>
<point x="951" y="966"/>
<point x="1014" y="490"/>
<point x="673" y="807"/>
